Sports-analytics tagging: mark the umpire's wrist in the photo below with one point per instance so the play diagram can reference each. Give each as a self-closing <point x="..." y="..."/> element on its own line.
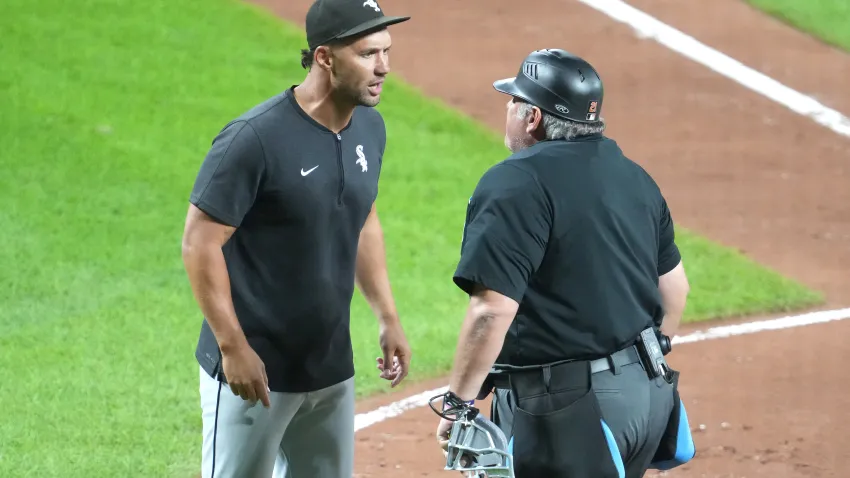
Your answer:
<point x="455" y="397"/>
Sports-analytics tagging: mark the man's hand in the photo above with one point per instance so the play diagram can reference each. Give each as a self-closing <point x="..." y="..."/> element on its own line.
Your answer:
<point x="395" y="364"/>
<point x="246" y="374"/>
<point x="443" y="430"/>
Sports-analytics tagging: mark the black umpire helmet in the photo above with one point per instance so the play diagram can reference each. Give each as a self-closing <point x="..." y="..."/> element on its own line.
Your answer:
<point x="558" y="83"/>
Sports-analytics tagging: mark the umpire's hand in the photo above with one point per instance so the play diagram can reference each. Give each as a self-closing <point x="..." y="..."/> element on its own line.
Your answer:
<point x="246" y="374"/>
<point x="443" y="436"/>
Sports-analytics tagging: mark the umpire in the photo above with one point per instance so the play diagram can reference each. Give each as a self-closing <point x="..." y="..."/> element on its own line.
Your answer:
<point x="569" y="260"/>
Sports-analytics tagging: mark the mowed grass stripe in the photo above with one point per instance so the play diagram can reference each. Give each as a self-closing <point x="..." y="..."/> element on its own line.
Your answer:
<point x="828" y="20"/>
<point x="108" y="109"/>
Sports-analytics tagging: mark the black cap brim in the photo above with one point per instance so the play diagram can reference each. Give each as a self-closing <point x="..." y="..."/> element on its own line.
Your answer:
<point x="371" y="25"/>
<point x="508" y="87"/>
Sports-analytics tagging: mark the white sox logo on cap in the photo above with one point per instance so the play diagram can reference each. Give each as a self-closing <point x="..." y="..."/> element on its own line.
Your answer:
<point x="373" y="4"/>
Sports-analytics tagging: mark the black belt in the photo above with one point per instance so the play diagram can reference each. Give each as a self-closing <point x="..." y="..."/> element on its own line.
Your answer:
<point x="615" y="361"/>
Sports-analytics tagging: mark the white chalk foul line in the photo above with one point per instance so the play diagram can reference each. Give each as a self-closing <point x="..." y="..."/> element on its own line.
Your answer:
<point x="364" y="420"/>
<point x="649" y="27"/>
<point x="395" y="409"/>
<point x="760" y="326"/>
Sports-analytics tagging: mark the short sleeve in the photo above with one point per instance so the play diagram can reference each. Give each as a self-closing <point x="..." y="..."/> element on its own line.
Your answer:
<point x="382" y="128"/>
<point x="505" y="234"/>
<point x="230" y="176"/>
<point x="668" y="252"/>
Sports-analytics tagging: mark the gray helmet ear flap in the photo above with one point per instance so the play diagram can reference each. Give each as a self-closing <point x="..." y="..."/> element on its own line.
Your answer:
<point x="477" y="447"/>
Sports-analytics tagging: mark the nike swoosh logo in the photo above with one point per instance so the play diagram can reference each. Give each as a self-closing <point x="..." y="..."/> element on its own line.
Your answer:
<point x="304" y="173"/>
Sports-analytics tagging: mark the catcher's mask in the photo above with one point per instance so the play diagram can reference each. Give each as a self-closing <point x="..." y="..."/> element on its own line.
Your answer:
<point x="477" y="447"/>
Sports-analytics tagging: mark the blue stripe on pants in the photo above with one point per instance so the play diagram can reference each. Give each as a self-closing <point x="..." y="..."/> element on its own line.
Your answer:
<point x="685" y="449"/>
<point x="614" y="449"/>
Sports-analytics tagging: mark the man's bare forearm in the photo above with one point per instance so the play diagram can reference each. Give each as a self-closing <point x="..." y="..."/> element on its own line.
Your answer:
<point x="210" y="283"/>
<point x="674" y="289"/>
<point x="371" y="273"/>
<point x="674" y="310"/>
<point x="481" y="338"/>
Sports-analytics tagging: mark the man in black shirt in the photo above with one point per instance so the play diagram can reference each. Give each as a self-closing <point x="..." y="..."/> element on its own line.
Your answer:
<point x="282" y="225"/>
<point x="569" y="259"/>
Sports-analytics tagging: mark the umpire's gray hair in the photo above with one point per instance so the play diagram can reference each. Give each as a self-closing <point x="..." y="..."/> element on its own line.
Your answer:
<point x="557" y="128"/>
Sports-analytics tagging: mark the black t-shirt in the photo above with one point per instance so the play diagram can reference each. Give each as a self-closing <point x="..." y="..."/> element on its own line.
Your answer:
<point x="578" y="235"/>
<point x="298" y="195"/>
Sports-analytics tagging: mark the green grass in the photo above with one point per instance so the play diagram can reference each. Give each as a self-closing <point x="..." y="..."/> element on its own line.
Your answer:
<point x="725" y="284"/>
<point x="829" y="20"/>
<point x="108" y="109"/>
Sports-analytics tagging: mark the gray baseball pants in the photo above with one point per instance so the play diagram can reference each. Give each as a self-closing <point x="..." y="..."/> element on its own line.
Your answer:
<point x="635" y="408"/>
<point x="302" y="435"/>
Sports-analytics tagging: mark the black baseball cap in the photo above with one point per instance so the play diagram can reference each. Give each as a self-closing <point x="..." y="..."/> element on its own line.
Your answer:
<point x="329" y="20"/>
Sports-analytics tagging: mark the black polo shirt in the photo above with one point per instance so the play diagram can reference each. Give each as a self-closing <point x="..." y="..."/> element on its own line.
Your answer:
<point x="298" y="195"/>
<point x="577" y="234"/>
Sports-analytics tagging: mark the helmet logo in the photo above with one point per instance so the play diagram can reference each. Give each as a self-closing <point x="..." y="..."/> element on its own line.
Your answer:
<point x="562" y="109"/>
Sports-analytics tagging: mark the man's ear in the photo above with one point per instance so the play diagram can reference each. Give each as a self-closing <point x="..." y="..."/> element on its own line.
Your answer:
<point x="323" y="57"/>
<point x="534" y="121"/>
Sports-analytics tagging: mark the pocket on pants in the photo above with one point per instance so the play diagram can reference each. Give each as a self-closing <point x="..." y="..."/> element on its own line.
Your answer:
<point x="565" y="440"/>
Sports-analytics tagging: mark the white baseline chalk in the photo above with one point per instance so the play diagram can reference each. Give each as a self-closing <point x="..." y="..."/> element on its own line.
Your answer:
<point x="762" y="325"/>
<point x="649" y="27"/>
<point x="395" y="409"/>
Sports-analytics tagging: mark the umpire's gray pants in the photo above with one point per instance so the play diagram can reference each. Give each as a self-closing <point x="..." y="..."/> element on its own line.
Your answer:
<point x="302" y="435"/>
<point x="635" y="408"/>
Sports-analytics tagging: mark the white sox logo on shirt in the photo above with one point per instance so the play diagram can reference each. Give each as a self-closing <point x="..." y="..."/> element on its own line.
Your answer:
<point x="373" y="4"/>
<point x="361" y="158"/>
